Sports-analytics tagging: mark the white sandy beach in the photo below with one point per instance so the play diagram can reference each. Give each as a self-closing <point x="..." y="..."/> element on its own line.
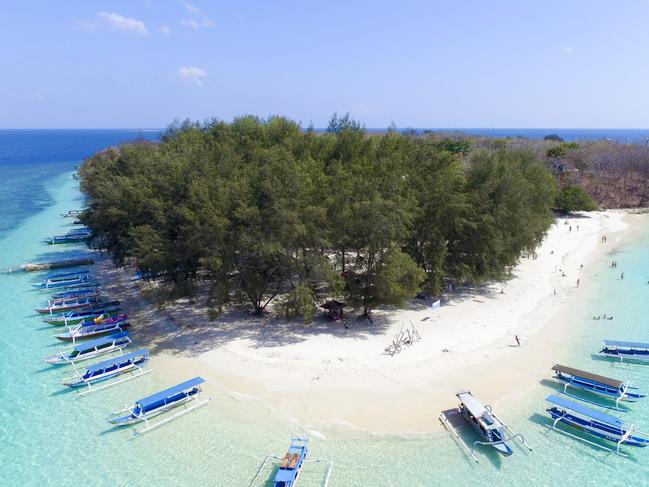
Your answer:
<point x="322" y="373"/>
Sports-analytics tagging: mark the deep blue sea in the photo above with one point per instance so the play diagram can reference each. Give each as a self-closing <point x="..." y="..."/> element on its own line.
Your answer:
<point x="48" y="436"/>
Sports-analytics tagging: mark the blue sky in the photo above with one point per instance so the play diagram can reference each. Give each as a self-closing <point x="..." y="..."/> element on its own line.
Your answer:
<point x="144" y="63"/>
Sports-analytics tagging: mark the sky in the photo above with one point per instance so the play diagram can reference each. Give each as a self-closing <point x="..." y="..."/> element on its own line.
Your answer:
<point x="416" y="63"/>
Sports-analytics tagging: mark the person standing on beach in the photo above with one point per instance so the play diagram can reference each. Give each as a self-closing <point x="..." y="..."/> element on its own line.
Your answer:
<point x="577" y="282"/>
<point x="518" y="341"/>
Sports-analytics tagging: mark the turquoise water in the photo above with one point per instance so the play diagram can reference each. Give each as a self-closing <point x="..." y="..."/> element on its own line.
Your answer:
<point x="48" y="436"/>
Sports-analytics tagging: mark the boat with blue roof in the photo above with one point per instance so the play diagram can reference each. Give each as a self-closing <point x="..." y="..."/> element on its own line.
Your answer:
<point x="626" y="351"/>
<point x="593" y="422"/>
<point x="186" y="395"/>
<point x="104" y="345"/>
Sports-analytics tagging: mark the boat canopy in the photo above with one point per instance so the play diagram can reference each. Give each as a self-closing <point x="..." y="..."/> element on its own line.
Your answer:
<point x="159" y="396"/>
<point x="588" y="376"/>
<point x="106" y="364"/>
<point x="90" y="345"/>
<point x="471" y="403"/>
<point x="617" y="343"/>
<point x="585" y="410"/>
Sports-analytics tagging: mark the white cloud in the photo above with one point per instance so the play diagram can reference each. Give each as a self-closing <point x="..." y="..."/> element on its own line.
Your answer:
<point x="126" y="24"/>
<point x="196" y="18"/>
<point x="567" y="49"/>
<point x="165" y="30"/>
<point x="191" y="74"/>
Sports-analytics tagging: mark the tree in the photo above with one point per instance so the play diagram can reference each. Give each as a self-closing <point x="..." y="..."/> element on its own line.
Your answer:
<point x="553" y="137"/>
<point x="573" y="198"/>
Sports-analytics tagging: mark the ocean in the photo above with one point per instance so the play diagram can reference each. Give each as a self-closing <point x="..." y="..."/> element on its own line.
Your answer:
<point x="48" y="436"/>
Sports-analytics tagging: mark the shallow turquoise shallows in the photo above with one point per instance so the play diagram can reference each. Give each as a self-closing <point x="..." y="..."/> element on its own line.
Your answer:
<point x="49" y="436"/>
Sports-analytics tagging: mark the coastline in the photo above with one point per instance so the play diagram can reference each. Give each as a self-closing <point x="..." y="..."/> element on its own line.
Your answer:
<point x="322" y="374"/>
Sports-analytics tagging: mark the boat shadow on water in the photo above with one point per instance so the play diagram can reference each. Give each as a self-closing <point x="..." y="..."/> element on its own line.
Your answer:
<point x="602" y="402"/>
<point x="596" y="454"/>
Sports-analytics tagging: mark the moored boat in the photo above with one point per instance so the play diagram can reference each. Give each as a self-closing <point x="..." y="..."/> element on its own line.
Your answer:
<point x="67" y="282"/>
<point x="67" y="304"/>
<point x="186" y="393"/>
<point x="595" y="423"/>
<point x="492" y="431"/>
<point x="72" y="213"/>
<point x="133" y="363"/>
<point x="291" y="464"/>
<point x="596" y="384"/>
<point x="115" y="342"/>
<point x="72" y="237"/>
<point x="91" y="330"/>
<point x="75" y="293"/>
<point x="74" y="317"/>
<point x="626" y="351"/>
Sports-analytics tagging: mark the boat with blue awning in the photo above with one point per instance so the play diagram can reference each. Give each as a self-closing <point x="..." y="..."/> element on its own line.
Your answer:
<point x="66" y="281"/>
<point x="75" y="293"/>
<point x="291" y="464"/>
<point x="596" y="384"/>
<point x="115" y="342"/>
<point x="134" y="364"/>
<point x="93" y="329"/>
<point x="185" y="394"/>
<point x="626" y="351"/>
<point x="595" y="423"/>
<point x="62" y="305"/>
<point x="74" y="317"/>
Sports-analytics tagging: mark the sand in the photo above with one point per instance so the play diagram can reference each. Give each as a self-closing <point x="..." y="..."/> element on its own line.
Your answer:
<point x="323" y="373"/>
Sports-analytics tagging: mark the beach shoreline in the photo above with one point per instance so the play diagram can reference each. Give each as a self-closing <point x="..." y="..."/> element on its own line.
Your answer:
<point x="323" y="375"/>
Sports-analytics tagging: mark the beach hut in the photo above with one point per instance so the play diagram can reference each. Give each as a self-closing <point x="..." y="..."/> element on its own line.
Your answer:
<point x="334" y="309"/>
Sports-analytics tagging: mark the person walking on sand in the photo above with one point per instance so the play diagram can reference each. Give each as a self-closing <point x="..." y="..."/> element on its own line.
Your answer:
<point x="518" y="341"/>
<point x="577" y="282"/>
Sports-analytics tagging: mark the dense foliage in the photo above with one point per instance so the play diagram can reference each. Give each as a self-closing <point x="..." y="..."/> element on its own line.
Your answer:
<point x="263" y="209"/>
<point x="573" y="198"/>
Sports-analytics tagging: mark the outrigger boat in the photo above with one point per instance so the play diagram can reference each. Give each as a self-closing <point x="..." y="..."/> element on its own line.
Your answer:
<point x="596" y="384"/>
<point x="77" y="316"/>
<point x="185" y="394"/>
<point x="72" y="237"/>
<point x="72" y="213"/>
<point x="75" y="293"/>
<point x="291" y="465"/>
<point x="484" y="422"/>
<point x="91" y="349"/>
<point x="62" y="305"/>
<point x="68" y="282"/>
<point x="626" y="351"/>
<point x="595" y="423"/>
<point x="91" y="330"/>
<point x="134" y="363"/>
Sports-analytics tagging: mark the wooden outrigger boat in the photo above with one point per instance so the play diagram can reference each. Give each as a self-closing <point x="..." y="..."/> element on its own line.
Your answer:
<point x="595" y="423"/>
<point x="596" y="384"/>
<point x="134" y="363"/>
<point x="75" y="317"/>
<point x="186" y="394"/>
<point x="91" y="330"/>
<point x="75" y="293"/>
<point x="91" y="349"/>
<point x="71" y="237"/>
<point x="290" y="465"/>
<point x="72" y="214"/>
<point x="62" y="305"/>
<point x="67" y="282"/>
<point x="626" y="351"/>
<point x="485" y="423"/>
